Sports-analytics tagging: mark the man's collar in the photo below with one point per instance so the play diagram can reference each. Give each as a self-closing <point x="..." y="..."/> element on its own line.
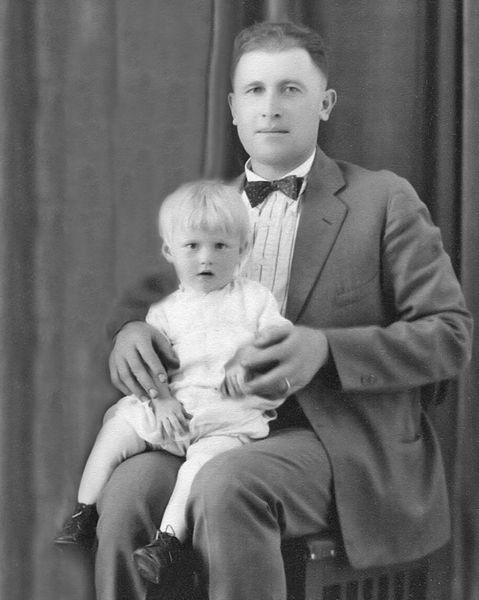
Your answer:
<point x="300" y="171"/>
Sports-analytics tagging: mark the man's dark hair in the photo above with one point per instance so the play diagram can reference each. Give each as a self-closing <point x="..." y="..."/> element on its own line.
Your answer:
<point x="280" y="36"/>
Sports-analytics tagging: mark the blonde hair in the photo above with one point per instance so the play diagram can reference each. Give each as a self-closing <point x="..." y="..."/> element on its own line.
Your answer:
<point x="206" y="204"/>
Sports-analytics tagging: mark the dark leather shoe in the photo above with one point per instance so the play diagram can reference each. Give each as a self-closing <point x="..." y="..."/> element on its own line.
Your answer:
<point x="160" y="557"/>
<point x="80" y="528"/>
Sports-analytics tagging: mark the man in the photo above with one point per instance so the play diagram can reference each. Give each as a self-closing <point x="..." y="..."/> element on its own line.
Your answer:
<point x="378" y="315"/>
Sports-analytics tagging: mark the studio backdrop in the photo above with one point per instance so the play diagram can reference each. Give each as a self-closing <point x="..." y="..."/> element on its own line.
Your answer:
<point x="105" y="107"/>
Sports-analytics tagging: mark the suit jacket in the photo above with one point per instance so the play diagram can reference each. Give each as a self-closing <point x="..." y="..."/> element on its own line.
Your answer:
<point x="369" y="269"/>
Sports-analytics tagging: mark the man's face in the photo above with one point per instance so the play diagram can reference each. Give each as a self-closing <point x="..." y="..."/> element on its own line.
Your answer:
<point x="204" y="260"/>
<point x="278" y="100"/>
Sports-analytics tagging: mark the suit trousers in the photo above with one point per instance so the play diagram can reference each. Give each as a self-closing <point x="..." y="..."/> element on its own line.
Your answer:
<point x="243" y="504"/>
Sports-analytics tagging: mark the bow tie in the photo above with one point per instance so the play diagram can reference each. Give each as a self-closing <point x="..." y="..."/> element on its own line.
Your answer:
<point x="257" y="191"/>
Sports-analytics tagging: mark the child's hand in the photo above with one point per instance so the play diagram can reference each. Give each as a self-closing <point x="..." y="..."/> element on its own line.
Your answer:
<point x="171" y="418"/>
<point x="235" y="375"/>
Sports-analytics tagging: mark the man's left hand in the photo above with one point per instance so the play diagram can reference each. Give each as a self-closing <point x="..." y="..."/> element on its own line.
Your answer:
<point x="283" y="360"/>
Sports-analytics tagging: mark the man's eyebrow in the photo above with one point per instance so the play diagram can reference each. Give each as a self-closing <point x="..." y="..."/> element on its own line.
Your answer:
<point x="291" y="81"/>
<point x="255" y="83"/>
<point x="281" y="83"/>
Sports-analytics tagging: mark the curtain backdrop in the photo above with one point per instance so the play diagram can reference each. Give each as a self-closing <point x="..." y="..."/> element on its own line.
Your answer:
<point x="107" y="106"/>
<point x="466" y="584"/>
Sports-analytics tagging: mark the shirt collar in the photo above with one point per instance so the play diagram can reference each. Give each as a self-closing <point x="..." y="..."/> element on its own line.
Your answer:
<point x="188" y="291"/>
<point x="300" y="171"/>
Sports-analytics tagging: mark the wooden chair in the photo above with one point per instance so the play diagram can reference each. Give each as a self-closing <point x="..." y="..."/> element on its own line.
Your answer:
<point x="317" y="569"/>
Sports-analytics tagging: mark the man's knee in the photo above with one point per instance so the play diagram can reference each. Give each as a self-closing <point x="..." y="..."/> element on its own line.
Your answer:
<point x="226" y="482"/>
<point x="137" y="493"/>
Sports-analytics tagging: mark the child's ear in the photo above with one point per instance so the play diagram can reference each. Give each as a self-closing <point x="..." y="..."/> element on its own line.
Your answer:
<point x="244" y="248"/>
<point x="165" y="250"/>
<point x="243" y="257"/>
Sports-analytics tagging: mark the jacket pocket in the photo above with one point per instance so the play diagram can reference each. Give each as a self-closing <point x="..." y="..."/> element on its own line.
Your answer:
<point x="349" y="295"/>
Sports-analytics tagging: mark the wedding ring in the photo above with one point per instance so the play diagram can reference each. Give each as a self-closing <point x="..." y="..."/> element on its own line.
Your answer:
<point x="288" y="384"/>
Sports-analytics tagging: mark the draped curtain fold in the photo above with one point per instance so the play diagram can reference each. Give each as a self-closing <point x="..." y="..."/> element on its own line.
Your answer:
<point x="104" y="108"/>
<point x="466" y="504"/>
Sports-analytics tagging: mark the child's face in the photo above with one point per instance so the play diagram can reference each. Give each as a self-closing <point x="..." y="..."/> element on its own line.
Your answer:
<point x="204" y="260"/>
<point x="278" y="101"/>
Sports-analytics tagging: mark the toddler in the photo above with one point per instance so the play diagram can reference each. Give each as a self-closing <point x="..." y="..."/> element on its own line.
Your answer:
<point x="203" y="410"/>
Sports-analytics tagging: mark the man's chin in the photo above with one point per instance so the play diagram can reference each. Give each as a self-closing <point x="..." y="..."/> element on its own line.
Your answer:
<point x="272" y="165"/>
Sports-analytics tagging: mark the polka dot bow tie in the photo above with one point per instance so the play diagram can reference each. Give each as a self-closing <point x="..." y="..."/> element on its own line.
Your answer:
<point x="257" y="191"/>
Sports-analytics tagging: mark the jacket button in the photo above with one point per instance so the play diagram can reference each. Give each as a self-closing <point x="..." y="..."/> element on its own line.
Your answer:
<point x="368" y="379"/>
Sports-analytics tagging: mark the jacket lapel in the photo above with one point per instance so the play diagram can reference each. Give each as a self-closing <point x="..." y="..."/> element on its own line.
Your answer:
<point x="322" y="215"/>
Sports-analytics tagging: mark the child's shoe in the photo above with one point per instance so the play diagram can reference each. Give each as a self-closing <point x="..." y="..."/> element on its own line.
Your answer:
<point x="159" y="557"/>
<point x="80" y="528"/>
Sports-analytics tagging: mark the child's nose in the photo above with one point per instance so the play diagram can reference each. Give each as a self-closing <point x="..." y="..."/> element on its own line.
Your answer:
<point x="205" y="256"/>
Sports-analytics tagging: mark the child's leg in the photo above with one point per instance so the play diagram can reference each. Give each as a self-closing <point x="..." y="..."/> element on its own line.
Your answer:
<point x="197" y="455"/>
<point x="116" y="442"/>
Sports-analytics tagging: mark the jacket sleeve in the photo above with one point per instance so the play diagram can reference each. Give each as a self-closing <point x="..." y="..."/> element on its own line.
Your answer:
<point x="133" y="305"/>
<point x="428" y="339"/>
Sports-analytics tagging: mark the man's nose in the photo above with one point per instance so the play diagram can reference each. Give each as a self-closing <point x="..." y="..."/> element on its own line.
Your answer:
<point x="271" y="104"/>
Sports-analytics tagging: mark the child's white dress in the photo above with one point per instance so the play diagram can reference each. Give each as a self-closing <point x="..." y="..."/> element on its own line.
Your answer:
<point x="205" y="331"/>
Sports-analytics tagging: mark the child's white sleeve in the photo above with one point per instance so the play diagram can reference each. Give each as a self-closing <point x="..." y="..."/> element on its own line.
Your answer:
<point x="270" y="315"/>
<point x="156" y="317"/>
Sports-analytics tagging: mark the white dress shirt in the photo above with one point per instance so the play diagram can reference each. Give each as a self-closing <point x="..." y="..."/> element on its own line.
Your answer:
<point x="274" y="223"/>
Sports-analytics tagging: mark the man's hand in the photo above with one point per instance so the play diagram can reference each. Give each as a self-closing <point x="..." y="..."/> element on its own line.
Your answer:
<point x="171" y="419"/>
<point x="138" y="358"/>
<point x="283" y="360"/>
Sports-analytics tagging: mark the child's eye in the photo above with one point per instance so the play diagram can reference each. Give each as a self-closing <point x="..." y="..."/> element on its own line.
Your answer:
<point x="220" y="245"/>
<point x="192" y="245"/>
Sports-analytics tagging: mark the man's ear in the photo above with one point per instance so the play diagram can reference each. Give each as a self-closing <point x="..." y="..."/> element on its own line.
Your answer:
<point x="165" y="250"/>
<point x="231" y="102"/>
<point x="327" y="104"/>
